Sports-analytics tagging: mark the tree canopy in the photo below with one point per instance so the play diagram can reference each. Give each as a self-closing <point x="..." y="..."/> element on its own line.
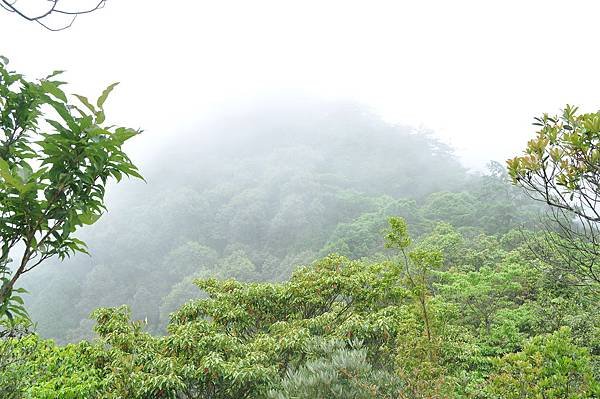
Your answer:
<point x="55" y="160"/>
<point x="335" y="256"/>
<point x="561" y="167"/>
<point x="408" y="327"/>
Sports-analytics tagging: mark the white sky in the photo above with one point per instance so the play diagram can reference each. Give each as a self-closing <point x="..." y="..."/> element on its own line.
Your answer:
<point x="476" y="72"/>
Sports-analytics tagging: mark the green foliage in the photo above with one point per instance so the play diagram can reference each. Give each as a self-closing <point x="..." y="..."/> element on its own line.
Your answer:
<point x="40" y="369"/>
<point x="13" y="352"/>
<point x="55" y="161"/>
<point x="240" y="340"/>
<point x="398" y="236"/>
<point x="411" y="327"/>
<point x="484" y="292"/>
<point x="567" y="143"/>
<point x="560" y="168"/>
<point x="458" y="209"/>
<point x="320" y="186"/>
<point x="549" y="366"/>
<point x="338" y="373"/>
<point x="460" y="309"/>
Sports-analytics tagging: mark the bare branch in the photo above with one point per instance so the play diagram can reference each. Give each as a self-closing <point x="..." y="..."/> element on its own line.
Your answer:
<point x="42" y="18"/>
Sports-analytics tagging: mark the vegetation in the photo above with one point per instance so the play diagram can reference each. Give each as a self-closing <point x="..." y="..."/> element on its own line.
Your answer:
<point x="399" y="327"/>
<point x="418" y="279"/>
<point x="55" y="160"/>
<point x="561" y="168"/>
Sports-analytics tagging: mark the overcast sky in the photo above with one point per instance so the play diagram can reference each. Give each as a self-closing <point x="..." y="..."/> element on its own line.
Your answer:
<point x="475" y="72"/>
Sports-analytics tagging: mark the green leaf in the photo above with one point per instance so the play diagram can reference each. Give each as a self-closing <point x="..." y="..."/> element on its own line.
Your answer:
<point x="85" y="102"/>
<point x="24" y="172"/>
<point x="65" y="114"/>
<point x="8" y="177"/>
<point x="121" y="134"/>
<point x="89" y="217"/>
<point x="4" y="165"/>
<point x="100" y="117"/>
<point x="53" y="74"/>
<point x="17" y="299"/>
<point x="105" y="94"/>
<point x="52" y="88"/>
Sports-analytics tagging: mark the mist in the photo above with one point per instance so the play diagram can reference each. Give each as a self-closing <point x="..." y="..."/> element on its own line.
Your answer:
<point x="252" y="194"/>
<point x="331" y="197"/>
<point x="459" y="76"/>
<point x="269" y="112"/>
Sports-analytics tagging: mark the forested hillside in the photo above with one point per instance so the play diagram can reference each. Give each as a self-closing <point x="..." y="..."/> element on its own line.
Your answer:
<point x="299" y="200"/>
<point x="265" y="195"/>
<point x="319" y="254"/>
<point x="456" y="315"/>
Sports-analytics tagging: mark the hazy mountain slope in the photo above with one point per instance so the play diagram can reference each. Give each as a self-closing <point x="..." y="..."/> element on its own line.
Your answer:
<point x="266" y="191"/>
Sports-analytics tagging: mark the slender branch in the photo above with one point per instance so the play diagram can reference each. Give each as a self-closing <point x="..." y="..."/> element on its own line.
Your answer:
<point x="98" y="6"/>
<point x="13" y="8"/>
<point x="40" y="19"/>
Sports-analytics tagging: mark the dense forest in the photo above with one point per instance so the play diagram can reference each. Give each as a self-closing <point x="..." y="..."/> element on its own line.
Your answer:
<point x="306" y="251"/>
<point x="260" y="201"/>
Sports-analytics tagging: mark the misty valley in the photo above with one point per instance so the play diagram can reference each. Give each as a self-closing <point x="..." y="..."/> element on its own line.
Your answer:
<point x="300" y="248"/>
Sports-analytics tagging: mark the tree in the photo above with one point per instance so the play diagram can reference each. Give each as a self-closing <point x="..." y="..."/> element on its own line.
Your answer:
<point x="49" y="10"/>
<point x="417" y="266"/>
<point x="55" y="161"/>
<point x="338" y="372"/>
<point x="549" y="366"/>
<point x="561" y="167"/>
<point x="481" y="293"/>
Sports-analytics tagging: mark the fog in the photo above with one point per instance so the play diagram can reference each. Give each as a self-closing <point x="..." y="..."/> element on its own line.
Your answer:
<point x="277" y="186"/>
<point x="276" y="132"/>
<point x="474" y="73"/>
